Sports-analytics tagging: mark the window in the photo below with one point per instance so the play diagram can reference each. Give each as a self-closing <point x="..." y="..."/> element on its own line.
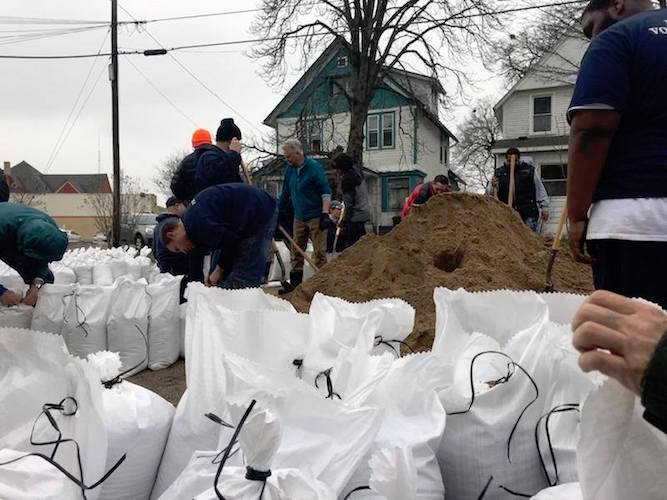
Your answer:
<point x="444" y="149"/>
<point x="554" y="178"/>
<point x="146" y="219"/>
<point x="542" y="114"/>
<point x="380" y="131"/>
<point x="388" y="130"/>
<point x="373" y="128"/>
<point x="310" y="134"/>
<point x="398" y="189"/>
<point x="341" y="62"/>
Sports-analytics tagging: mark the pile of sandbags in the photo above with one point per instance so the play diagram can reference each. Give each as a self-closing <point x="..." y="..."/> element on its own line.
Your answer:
<point x="109" y="441"/>
<point x="138" y="320"/>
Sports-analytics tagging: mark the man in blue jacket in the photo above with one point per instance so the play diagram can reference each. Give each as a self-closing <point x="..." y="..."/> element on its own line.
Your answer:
<point x="234" y="221"/>
<point x="169" y="262"/>
<point x="617" y="178"/>
<point x="306" y="189"/>
<point x="29" y="240"/>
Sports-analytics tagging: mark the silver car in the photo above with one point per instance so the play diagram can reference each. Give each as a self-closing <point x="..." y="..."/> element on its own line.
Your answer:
<point x="137" y="229"/>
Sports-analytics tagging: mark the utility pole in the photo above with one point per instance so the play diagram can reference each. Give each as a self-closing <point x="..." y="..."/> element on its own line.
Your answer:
<point x="113" y="76"/>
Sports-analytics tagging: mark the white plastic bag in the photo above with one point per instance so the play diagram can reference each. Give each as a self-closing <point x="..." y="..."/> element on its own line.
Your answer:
<point x="63" y="275"/>
<point x="620" y="455"/>
<point x="18" y="316"/>
<point x="49" y="313"/>
<point x="566" y="491"/>
<point x="562" y="306"/>
<point x="102" y="274"/>
<point x="182" y="310"/>
<point x="84" y="274"/>
<point x="37" y="370"/>
<point x="164" y="322"/>
<point x="85" y="320"/>
<point x="393" y="473"/>
<point x="127" y="324"/>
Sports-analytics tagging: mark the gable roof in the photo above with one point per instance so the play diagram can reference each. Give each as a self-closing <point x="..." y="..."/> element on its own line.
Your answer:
<point x="321" y="62"/>
<point x="31" y="180"/>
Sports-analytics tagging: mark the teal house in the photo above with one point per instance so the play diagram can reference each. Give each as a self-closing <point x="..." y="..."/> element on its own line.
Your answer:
<point x="405" y="141"/>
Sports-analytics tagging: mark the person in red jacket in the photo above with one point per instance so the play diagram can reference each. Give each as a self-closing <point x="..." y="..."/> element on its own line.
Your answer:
<point x="423" y="192"/>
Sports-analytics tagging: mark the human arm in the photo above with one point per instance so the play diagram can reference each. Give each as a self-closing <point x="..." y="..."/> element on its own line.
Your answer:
<point x="541" y="196"/>
<point x="217" y="167"/>
<point x="9" y="298"/>
<point x="627" y="340"/>
<point x="325" y="192"/>
<point x="591" y="133"/>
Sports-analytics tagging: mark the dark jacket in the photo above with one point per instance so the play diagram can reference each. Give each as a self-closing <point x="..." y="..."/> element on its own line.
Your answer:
<point x="206" y="166"/>
<point x="355" y="196"/>
<point x="221" y="216"/>
<point x="654" y="388"/>
<point x="168" y="262"/>
<point x="4" y="190"/>
<point x="525" y="200"/>
<point x="304" y="187"/>
<point x="29" y="240"/>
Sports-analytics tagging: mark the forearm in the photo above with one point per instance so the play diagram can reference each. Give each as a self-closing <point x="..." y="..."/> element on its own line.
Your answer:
<point x="326" y="201"/>
<point x="590" y="137"/>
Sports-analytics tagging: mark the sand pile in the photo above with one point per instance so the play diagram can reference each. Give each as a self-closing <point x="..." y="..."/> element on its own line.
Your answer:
<point x="459" y="240"/>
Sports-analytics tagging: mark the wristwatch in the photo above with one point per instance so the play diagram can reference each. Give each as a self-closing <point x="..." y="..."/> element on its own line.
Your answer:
<point x="37" y="283"/>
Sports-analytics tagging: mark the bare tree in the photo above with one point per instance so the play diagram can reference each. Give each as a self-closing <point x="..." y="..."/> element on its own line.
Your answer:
<point x="477" y="135"/>
<point x="380" y="36"/>
<point x="166" y="169"/>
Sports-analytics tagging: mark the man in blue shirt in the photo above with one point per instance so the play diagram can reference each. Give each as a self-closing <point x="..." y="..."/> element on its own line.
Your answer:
<point x="617" y="183"/>
<point x="234" y="221"/>
<point x="306" y="188"/>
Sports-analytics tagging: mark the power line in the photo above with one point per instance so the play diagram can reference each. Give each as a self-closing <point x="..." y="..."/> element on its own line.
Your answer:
<point x="42" y="20"/>
<point x="62" y="137"/>
<point x="164" y="96"/>
<point x="28" y="37"/>
<point x="299" y="35"/>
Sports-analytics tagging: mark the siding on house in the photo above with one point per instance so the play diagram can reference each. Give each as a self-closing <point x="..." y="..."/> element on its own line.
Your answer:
<point x="517" y="112"/>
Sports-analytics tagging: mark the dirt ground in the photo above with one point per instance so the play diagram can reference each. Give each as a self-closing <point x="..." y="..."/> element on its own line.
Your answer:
<point x="168" y="383"/>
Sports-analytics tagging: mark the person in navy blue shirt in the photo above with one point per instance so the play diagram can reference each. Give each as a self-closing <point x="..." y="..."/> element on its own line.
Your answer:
<point x="234" y="221"/>
<point x="617" y="183"/>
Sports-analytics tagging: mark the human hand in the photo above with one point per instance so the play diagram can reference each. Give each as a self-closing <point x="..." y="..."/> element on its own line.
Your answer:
<point x="30" y="298"/>
<point x="324" y="221"/>
<point x="545" y="215"/>
<point x="214" y="278"/>
<point x="9" y="298"/>
<point x="495" y="182"/>
<point x="577" y="240"/>
<point x="235" y="145"/>
<point x="628" y="329"/>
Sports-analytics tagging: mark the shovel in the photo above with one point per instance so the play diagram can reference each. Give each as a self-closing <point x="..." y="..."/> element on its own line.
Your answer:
<point x="554" y="248"/>
<point x="335" y="243"/>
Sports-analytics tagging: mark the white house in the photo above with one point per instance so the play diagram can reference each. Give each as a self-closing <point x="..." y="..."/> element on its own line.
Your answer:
<point x="532" y="116"/>
<point x="405" y="141"/>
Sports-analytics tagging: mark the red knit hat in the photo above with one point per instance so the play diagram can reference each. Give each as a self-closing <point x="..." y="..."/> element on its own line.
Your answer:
<point x="201" y="136"/>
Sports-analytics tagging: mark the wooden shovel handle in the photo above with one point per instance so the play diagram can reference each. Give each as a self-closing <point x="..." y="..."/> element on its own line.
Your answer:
<point x="559" y="228"/>
<point x="510" y="194"/>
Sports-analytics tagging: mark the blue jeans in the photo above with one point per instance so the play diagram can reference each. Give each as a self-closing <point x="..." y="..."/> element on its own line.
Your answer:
<point x="531" y="222"/>
<point x="249" y="265"/>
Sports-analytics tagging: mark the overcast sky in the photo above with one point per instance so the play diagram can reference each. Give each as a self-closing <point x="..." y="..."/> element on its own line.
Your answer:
<point x="36" y="96"/>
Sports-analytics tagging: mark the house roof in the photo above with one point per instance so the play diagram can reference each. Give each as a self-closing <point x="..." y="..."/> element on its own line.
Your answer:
<point x="32" y="180"/>
<point x="542" y="141"/>
<point x="324" y="58"/>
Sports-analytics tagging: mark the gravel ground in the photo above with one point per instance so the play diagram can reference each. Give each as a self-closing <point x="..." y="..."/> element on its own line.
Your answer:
<point x="168" y="383"/>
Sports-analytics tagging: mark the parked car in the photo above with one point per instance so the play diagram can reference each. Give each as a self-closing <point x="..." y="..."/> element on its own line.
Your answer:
<point x="137" y="229"/>
<point x="72" y="236"/>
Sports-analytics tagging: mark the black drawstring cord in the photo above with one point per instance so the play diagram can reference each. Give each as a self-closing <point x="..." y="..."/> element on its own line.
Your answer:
<point x="380" y="340"/>
<point x="557" y="409"/>
<point x="108" y="384"/>
<point x="360" y="488"/>
<point x="327" y="373"/>
<point x="496" y="382"/>
<point x="46" y="410"/>
<point x="515" y="493"/>
<point x="216" y="419"/>
<point x="77" y="310"/>
<point x="486" y="488"/>
<point x="232" y="442"/>
<point x="299" y="367"/>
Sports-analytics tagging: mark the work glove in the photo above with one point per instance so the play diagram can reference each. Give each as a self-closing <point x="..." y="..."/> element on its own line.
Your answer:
<point x="324" y="222"/>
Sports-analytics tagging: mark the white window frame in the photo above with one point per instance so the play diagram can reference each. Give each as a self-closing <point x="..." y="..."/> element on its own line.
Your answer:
<point x="378" y="131"/>
<point x="444" y="149"/>
<point x="531" y="113"/>
<point x="393" y="130"/>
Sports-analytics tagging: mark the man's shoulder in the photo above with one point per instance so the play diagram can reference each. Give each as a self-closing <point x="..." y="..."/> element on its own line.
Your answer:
<point x="313" y="163"/>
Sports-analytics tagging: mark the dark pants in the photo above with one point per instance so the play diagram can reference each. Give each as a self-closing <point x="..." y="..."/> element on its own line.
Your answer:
<point x="631" y="268"/>
<point x="352" y="232"/>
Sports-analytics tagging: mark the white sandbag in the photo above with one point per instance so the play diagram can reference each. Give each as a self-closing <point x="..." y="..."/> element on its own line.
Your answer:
<point x="259" y="440"/>
<point x="11" y="280"/>
<point x="37" y="370"/>
<point x="145" y="266"/>
<point x="127" y="324"/>
<point x="18" y="316"/>
<point x="164" y="322"/>
<point x="134" y="269"/>
<point x="182" y="310"/>
<point x="137" y="422"/>
<point x="84" y="274"/>
<point x="393" y="474"/>
<point x="49" y="313"/>
<point x="102" y="274"/>
<point x="275" y="273"/>
<point x="85" y="320"/>
<point x="270" y="330"/>
<point x="63" y="275"/>
<point x="567" y="491"/>
<point x="33" y="478"/>
<point x="620" y="455"/>
<point x="118" y="268"/>
<point x="562" y="306"/>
